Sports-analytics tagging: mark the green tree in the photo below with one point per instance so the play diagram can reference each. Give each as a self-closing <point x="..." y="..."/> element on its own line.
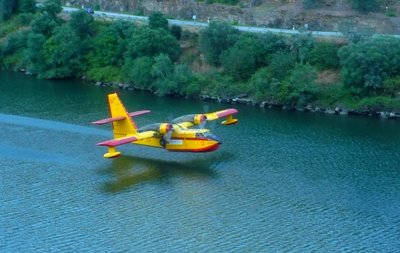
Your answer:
<point x="367" y="64"/>
<point x="364" y="5"/>
<point x="45" y="24"/>
<point x="263" y="87"/>
<point x="239" y="63"/>
<point x="139" y="72"/>
<point x="300" y="46"/>
<point x="215" y="39"/>
<point x="176" y="31"/>
<point x="281" y="63"/>
<point x="302" y="86"/>
<point x="152" y="42"/>
<point x="26" y="5"/>
<point x="157" y="20"/>
<point x="63" y="54"/>
<point x="16" y="41"/>
<point x="52" y="7"/>
<point x="392" y="86"/>
<point x="82" y="23"/>
<point x="184" y="79"/>
<point x="162" y="70"/>
<point x="34" y="53"/>
<point x="7" y="8"/>
<point x="324" y="55"/>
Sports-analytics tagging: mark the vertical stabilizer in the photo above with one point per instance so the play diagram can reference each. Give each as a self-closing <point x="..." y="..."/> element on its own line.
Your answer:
<point x="124" y="127"/>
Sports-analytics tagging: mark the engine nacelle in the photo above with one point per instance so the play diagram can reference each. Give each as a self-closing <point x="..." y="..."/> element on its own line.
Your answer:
<point x="164" y="128"/>
<point x="196" y="119"/>
<point x="199" y="118"/>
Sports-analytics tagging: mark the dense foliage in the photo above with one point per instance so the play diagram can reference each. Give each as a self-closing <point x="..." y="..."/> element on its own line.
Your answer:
<point x="219" y="61"/>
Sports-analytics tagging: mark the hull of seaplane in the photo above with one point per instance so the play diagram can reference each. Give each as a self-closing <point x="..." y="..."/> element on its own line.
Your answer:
<point x="181" y="144"/>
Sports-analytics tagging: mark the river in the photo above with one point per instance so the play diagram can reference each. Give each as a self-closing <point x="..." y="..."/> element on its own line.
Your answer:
<point x="280" y="182"/>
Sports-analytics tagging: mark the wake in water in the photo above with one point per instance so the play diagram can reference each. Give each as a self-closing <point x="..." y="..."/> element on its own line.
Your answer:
<point x="51" y="125"/>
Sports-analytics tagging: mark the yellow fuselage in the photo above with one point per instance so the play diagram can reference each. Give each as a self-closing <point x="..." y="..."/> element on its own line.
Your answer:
<point x="183" y="140"/>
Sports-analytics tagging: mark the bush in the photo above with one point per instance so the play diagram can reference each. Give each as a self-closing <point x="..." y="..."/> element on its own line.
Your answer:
<point x="281" y="63"/>
<point x="324" y="56"/>
<point x="367" y="64"/>
<point x="138" y="72"/>
<point x="157" y="20"/>
<point x="152" y="42"/>
<point x="302" y="87"/>
<point x="215" y="39"/>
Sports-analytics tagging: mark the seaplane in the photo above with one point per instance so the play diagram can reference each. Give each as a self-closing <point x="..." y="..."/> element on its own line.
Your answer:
<point x="183" y="134"/>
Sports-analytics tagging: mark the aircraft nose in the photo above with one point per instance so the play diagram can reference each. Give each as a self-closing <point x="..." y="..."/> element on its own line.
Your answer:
<point x="215" y="138"/>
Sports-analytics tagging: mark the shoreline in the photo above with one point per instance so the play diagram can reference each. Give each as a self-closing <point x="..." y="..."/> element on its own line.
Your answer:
<point x="245" y="100"/>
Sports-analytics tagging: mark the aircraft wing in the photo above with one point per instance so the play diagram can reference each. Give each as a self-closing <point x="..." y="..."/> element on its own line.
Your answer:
<point x="224" y="113"/>
<point x="127" y="139"/>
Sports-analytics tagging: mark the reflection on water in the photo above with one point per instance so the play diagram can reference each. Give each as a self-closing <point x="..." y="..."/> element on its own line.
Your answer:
<point x="128" y="171"/>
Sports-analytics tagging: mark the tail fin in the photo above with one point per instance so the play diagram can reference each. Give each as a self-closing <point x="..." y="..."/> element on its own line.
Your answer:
<point x="124" y="127"/>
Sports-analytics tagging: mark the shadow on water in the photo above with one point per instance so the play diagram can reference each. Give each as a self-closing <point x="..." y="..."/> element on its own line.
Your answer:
<point x="128" y="171"/>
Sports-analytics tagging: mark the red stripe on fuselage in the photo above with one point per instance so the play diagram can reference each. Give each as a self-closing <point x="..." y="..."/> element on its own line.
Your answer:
<point x="198" y="150"/>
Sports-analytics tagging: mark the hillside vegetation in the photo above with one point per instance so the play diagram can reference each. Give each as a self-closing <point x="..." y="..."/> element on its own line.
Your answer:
<point x="366" y="16"/>
<point x="295" y="71"/>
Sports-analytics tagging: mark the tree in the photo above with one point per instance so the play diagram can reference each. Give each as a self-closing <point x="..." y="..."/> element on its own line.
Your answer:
<point x="238" y="63"/>
<point x="324" y="55"/>
<point x="157" y="20"/>
<point x="52" y="7"/>
<point x="152" y="42"/>
<point x="300" y="46"/>
<point x="16" y="41"/>
<point x="7" y="8"/>
<point x="364" y="5"/>
<point x="34" y="53"/>
<point x="281" y="63"/>
<point x="302" y="85"/>
<point x="63" y="53"/>
<point x="26" y="5"/>
<point x="162" y="70"/>
<point x="215" y="39"/>
<point x="367" y="64"/>
<point x="139" y="72"/>
<point x="176" y="31"/>
<point x="82" y="23"/>
<point x="45" y="24"/>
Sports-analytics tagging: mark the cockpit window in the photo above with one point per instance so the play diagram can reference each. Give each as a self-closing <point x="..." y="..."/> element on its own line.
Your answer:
<point x="200" y="135"/>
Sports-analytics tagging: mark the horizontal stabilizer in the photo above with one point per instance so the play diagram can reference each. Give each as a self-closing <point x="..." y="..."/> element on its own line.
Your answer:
<point x="226" y="112"/>
<point x="220" y="114"/>
<point x="133" y="114"/>
<point x="108" y="120"/>
<point x="117" y="142"/>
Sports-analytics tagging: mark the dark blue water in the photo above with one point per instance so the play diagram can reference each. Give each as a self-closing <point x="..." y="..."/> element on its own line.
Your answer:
<point x="281" y="181"/>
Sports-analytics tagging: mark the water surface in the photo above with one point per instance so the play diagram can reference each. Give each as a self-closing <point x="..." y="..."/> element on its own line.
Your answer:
<point x="281" y="181"/>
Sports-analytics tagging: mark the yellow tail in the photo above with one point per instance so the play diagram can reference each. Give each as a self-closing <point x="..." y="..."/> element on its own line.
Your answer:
<point x="126" y="125"/>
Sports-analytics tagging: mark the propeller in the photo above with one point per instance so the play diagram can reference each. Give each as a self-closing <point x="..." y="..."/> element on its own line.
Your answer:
<point x="168" y="134"/>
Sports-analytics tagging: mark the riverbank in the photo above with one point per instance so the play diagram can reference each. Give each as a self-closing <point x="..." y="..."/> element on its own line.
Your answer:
<point x="245" y="100"/>
<point x="218" y="63"/>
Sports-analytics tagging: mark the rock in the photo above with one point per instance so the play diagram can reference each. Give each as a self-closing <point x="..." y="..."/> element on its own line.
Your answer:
<point x="330" y="111"/>
<point x="98" y="83"/>
<point x="394" y="115"/>
<point x="123" y="86"/>
<point x="344" y="112"/>
<point x="222" y="100"/>
<point x="337" y="110"/>
<point x="263" y="103"/>
<point x="383" y="115"/>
